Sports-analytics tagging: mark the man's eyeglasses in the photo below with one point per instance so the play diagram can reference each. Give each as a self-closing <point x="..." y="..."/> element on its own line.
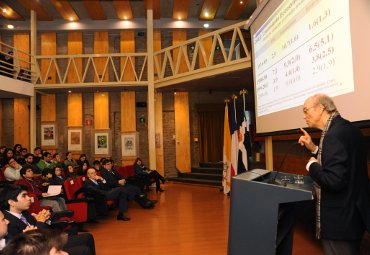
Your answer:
<point x="306" y="109"/>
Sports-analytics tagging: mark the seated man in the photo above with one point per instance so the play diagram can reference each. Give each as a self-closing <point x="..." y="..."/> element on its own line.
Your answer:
<point x="56" y="203"/>
<point x="142" y="172"/>
<point x="3" y="230"/>
<point x="15" y="202"/>
<point x="12" y="172"/>
<point x="46" y="162"/>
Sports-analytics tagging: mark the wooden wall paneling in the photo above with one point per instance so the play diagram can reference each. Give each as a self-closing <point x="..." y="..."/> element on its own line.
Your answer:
<point x="128" y="111"/>
<point x="22" y="42"/>
<point x="74" y="48"/>
<point x="157" y="46"/>
<point x="182" y="132"/>
<point x="159" y="133"/>
<point x="48" y="47"/>
<point x="179" y="36"/>
<point x="101" y="45"/>
<point x="207" y="45"/>
<point x="48" y="108"/>
<point x="127" y="46"/>
<point x="75" y="110"/>
<point x="101" y="110"/>
<point x="22" y="122"/>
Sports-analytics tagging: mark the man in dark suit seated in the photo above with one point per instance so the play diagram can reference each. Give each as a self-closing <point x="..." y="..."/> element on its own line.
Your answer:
<point x="14" y="204"/>
<point x="97" y="187"/>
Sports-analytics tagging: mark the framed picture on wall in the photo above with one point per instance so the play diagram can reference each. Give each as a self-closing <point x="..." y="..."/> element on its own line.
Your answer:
<point x="102" y="142"/>
<point x="48" y="135"/>
<point x="74" y="139"/>
<point x="130" y="144"/>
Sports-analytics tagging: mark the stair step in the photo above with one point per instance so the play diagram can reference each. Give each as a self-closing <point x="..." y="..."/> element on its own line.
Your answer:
<point x="212" y="164"/>
<point x="207" y="170"/>
<point x="206" y="176"/>
<point x="196" y="181"/>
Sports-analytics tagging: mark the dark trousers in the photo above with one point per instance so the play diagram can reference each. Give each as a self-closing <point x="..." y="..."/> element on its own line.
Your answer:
<point x="340" y="247"/>
<point x="157" y="179"/>
<point x="120" y="195"/>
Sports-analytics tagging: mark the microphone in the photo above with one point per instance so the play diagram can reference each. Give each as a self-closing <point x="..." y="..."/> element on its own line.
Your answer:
<point x="274" y="180"/>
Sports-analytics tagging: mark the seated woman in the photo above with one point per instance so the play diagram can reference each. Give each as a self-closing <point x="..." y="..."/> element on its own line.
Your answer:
<point x="57" y="177"/>
<point x="56" y="203"/>
<point x="142" y="172"/>
<point x="70" y="172"/>
<point x="82" y="169"/>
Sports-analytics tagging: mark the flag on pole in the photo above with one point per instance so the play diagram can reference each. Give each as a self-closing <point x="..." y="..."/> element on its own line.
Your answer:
<point x="226" y="153"/>
<point x="234" y="141"/>
<point x="243" y="142"/>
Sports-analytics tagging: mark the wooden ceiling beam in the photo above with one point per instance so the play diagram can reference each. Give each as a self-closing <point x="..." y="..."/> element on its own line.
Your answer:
<point x="8" y="13"/>
<point x="180" y="9"/>
<point x="236" y="9"/>
<point x="123" y="9"/>
<point x="66" y="10"/>
<point x="155" y="5"/>
<point x="34" y="5"/>
<point x="209" y="9"/>
<point x="95" y="9"/>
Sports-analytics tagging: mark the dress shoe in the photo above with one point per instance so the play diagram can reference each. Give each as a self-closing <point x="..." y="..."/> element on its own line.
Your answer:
<point x="160" y="190"/>
<point x="123" y="217"/>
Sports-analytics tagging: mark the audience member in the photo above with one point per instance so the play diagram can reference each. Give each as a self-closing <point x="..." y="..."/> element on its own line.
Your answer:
<point x="15" y="202"/>
<point x="37" y="155"/>
<point x="46" y="161"/>
<point x="12" y="172"/>
<point x="69" y="160"/>
<point x="144" y="173"/>
<point x="30" y="164"/>
<point x="57" y="159"/>
<point x="56" y="203"/>
<point x="7" y="154"/>
<point x="37" y="242"/>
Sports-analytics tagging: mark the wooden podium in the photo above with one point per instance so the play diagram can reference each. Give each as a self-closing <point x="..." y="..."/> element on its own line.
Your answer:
<point x="263" y="212"/>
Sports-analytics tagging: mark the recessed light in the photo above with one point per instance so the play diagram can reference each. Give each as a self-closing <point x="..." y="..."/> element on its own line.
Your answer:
<point x="206" y="14"/>
<point x="241" y="2"/>
<point x="125" y="18"/>
<point x="10" y="26"/>
<point x="5" y="10"/>
<point x="70" y="19"/>
<point x="69" y="91"/>
<point x="206" y="25"/>
<point x="179" y="18"/>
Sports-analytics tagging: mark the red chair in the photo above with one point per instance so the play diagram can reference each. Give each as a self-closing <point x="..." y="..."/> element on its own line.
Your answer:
<point x="2" y="177"/>
<point x="77" y="204"/>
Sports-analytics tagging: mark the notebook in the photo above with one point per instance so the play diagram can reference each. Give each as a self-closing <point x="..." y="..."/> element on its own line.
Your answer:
<point x="54" y="190"/>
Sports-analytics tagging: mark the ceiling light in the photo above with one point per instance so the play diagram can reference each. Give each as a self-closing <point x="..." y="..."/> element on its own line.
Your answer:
<point x="10" y="26"/>
<point x="206" y="25"/>
<point x="70" y="19"/>
<point x="69" y="91"/>
<point x="125" y="18"/>
<point x="179" y="18"/>
<point x="5" y="10"/>
<point x="206" y="14"/>
<point x="241" y="2"/>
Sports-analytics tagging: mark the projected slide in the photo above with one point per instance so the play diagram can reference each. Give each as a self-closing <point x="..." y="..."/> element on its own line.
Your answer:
<point x="302" y="49"/>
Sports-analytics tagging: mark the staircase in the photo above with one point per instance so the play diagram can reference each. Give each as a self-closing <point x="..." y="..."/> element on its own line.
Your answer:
<point x="205" y="174"/>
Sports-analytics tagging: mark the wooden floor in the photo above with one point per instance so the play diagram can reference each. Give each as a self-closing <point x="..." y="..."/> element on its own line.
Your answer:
<point x="188" y="219"/>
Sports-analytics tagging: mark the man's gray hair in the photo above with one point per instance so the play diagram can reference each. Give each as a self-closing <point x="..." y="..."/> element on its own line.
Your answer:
<point x="326" y="101"/>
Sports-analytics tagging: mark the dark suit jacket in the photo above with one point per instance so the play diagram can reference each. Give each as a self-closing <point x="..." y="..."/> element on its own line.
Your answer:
<point x="91" y="188"/>
<point x="16" y="226"/>
<point x="344" y="182"/>
<point x="112" y="177"/>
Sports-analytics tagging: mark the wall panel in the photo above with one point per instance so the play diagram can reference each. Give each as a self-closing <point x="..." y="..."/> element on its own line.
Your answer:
<point x="101" y="45"/>
<point x="128" y="46"/>
<point x="75" y="110"/>
<point x="207" y="45"/>
<point x="74" y="48"/>
<point x="48" y="47"/>
<point x="182" y="131"/>
<point x="179" y="36"/>
<point x="101" y="110"/>
<point x="22" y="122"/>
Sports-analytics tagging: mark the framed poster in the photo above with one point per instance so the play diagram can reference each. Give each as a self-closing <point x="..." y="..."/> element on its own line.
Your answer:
<point x="74" y="139"/>
<point x="48" y="135"/>
<point x="129" y="144"/>
<point x="102" y="143"/>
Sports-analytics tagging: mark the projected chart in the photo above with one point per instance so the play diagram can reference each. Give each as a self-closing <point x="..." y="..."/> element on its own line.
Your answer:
<point x="302" y="49"/>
